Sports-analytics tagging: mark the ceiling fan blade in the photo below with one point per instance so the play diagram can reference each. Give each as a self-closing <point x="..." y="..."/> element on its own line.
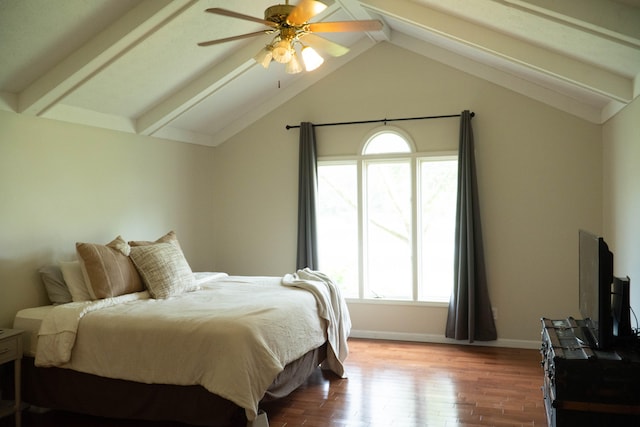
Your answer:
<point x="345" y="26"/>
<point x="228" y="39"/>
<point x="232" y="14"/>
<point x="324" y="45"/>
<point x="304" y="11"/>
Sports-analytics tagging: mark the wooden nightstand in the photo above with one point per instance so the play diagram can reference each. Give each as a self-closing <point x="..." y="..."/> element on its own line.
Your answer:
<point x="11" y="351"/>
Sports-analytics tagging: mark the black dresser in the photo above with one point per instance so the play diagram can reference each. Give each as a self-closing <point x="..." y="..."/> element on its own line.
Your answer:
<point x="584" y="386"/>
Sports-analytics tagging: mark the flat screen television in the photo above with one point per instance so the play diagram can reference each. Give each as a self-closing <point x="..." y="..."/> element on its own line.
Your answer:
<point x="596" y="277"/>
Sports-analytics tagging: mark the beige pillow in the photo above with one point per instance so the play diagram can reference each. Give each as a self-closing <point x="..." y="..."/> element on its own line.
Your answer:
<point x="163" y="268"/>
<point x="108" y="271"/>
<point x="170" y="237"/>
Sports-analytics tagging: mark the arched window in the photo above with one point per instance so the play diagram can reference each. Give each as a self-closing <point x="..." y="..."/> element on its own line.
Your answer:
<point x="386" y="220"/>
<point x="387" y="142"/>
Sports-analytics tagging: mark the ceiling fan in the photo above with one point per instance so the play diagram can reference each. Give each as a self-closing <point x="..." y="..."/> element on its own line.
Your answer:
<point x="291" y="28"/>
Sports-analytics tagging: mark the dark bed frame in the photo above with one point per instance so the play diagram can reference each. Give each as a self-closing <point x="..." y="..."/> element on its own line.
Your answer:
<point x="68" y="390"/>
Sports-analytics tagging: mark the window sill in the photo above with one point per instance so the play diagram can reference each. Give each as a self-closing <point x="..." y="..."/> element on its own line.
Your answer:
<point x="381" y="301"/>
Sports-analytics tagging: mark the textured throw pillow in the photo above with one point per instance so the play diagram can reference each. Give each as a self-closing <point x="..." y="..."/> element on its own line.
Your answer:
<point x="72" y="273"/>
<point x="55" y="285"/>
<point x="163" y="268"/>
<point x="170" y="237"/>
<point x="107" y="269"/>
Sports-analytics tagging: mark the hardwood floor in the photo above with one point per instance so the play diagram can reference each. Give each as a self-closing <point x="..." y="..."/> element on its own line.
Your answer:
<point x="409" y="384"/>
<point x="395" y="384"/>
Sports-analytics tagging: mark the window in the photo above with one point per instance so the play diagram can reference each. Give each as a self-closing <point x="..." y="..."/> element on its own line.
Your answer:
<point x="386" y="220"/>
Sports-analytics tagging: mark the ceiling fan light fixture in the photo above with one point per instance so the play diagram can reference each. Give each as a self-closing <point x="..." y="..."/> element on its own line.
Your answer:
<point x="282" y="51"/>
<point x="311" y="58"/>
<point x="264" y="57"/>
<point x="290" y="25"/>
<point x="293" y="66"/>
<point x="317" y="8"/>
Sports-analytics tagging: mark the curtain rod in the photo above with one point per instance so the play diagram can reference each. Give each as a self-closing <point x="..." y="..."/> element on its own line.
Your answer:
<point x="380" y="121"/>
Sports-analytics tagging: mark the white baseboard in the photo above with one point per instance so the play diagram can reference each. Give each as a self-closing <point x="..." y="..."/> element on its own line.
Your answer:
<point x="441" y="339"/>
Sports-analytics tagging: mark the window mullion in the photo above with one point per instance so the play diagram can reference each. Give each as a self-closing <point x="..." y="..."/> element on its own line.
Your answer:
<point x="361" y="237"/>
<point x="415" y="226"/>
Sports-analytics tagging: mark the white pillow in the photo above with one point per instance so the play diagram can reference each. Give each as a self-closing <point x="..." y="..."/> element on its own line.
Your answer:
<point x="73" y="277"/>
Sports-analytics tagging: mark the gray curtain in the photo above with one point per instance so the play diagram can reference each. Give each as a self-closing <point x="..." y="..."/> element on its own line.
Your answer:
<point x="470" y="316"/>
<point x="307" y="195"/>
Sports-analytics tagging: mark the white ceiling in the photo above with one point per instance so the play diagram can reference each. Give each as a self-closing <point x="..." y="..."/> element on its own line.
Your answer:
<point x="134" y="66"/>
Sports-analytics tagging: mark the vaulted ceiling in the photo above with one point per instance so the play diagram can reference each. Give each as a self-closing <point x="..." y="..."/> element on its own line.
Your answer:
<point x="134" y="65"/>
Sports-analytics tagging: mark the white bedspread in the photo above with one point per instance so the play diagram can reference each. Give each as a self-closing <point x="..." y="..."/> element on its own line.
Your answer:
<point x="233" y="336"/>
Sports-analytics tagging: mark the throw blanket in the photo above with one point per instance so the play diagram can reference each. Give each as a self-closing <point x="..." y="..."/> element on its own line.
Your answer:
<point x="233" y="336"/>
<point x="332" y="308"/>
<point x="58" y="331"/>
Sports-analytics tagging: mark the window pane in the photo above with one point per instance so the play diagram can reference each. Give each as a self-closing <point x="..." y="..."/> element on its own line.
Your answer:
<point x="388" y="230"/>
<point x="438" y="211"/>
<point x="338" y="225"/>
<point x="387" y="142"/>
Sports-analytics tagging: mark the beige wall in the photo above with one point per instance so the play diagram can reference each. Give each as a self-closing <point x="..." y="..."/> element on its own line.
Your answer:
<point x="621" y="147"/>
<point x="540" y="177"/>
<point x="61" y="183"/>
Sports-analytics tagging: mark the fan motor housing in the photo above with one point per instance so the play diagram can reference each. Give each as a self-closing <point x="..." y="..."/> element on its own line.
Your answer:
<point x="278" y="13"/>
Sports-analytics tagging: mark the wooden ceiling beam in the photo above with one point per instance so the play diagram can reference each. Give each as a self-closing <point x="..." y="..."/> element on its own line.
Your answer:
<point x="577" y="70"/>
<point x="98" y="53"/>
<point x="198" y="89"/>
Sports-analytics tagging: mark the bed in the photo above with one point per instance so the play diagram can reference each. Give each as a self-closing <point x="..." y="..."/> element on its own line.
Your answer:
<point x="207" y="355"/>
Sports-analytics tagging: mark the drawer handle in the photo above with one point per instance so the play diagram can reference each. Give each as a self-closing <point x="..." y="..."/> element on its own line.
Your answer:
<point x="4" y="350"/>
